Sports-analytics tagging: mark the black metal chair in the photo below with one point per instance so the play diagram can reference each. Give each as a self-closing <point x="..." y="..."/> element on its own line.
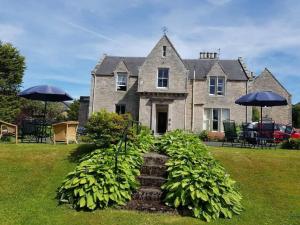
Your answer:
<point x="230" y="132"/>
<point x="34" y="131"/>
<point x="248" y="135"/>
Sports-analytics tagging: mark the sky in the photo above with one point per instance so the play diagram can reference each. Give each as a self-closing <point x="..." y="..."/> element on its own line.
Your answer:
<point x="63" y="40"/>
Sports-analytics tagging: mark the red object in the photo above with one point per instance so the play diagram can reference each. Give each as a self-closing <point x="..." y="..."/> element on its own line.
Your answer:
<point x="295" y="135"/>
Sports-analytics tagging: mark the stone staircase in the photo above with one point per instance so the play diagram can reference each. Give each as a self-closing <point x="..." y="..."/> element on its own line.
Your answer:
<point x="153" y="175"/>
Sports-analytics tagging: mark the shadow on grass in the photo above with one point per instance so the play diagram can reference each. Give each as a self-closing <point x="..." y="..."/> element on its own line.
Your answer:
<point x="80" y="152"/>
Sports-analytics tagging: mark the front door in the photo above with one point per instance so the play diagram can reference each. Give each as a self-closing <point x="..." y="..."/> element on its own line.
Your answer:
<point x="162" y="121"/>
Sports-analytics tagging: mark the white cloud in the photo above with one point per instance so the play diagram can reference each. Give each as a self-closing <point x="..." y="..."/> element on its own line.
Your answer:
<point x="10" y="33"/>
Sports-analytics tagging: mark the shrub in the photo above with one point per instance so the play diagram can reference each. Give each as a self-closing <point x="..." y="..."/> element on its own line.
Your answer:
<point x="196" y="181"/>
<point x="203" y="135"/>
<point x="106" y="128"/>
<point x="96" y="183"/>
<point x="292" y="143"/>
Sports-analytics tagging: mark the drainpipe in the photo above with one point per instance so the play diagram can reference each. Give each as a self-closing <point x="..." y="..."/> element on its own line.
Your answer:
<point x="193" y="87"/>
<point x="246" y="106"/>
<point x="93" y="94"/>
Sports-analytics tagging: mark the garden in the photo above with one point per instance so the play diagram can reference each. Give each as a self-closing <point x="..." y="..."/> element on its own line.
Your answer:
<point x="87" y="183"/>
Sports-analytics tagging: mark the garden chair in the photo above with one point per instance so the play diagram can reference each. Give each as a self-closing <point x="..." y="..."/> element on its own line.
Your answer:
<point x="8" y="129"/>
<point x="266" y="134"/>
<point x="230" y="132"/>
<point x="248" y="136"/>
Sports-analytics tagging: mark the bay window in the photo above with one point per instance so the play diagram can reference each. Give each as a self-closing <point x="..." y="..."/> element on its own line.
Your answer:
<point x="214" y="117"/>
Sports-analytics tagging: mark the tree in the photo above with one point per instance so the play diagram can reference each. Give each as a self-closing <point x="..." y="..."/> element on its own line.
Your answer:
<point x="74" y="110"/>
<point x="255" y="114"/>
<point x="12" y="67"/>
<point x="296" y="115"/>
<point x="56" y="111"/>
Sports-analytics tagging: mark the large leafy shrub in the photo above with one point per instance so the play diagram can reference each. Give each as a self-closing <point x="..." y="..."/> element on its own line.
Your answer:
<point x="105" y="128"/>
<point x="291" y="143"/>
<point x="196" y="181"/>
<point x="97" y="183"/>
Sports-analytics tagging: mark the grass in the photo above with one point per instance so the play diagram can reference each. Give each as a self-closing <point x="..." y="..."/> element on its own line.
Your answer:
<point x="30" y="173"/>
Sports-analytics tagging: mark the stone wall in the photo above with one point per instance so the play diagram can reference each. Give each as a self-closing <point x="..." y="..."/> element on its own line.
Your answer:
<point x="267" y="82"/>
<point x="202" y="100"/>
<point x="106" y="96"/>
<point x="83" y="110"/>
<point x="149" y="70"/>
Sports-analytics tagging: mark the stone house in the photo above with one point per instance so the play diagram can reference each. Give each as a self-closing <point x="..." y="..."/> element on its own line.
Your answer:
<point x="165" y="92"/>
<point x="267" y="81"/>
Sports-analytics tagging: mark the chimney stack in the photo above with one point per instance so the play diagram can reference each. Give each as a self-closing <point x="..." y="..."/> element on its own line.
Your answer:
<point x="209" y="55"/>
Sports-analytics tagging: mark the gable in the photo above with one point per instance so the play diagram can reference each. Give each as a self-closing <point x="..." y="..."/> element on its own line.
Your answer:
<point x="267" y="81"/>
<point x="163" y="55"/>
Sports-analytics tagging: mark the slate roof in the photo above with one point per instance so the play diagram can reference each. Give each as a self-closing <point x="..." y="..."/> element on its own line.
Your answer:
<point x="232" y="68"/>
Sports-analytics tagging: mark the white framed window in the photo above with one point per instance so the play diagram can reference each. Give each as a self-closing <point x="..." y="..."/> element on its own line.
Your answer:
<point x="120" y="108"/>
<point x="121" y="81"/>
<point x="164" y="51"/>
<point x="217" y="85"/>
<point x="163" y="78"/>
<point x="213" y="118"/>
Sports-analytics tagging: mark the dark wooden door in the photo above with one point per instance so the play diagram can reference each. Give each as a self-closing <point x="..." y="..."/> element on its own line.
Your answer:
<point x="162" y="120"/>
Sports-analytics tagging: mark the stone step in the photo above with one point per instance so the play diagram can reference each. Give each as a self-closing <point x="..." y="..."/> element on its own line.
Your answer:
<point x="149" y="206"/>
<point x="154" y="170"/>
<point x="147" y="194"/>
<point x="151" y="181"/>
<point x="153" y="158"/>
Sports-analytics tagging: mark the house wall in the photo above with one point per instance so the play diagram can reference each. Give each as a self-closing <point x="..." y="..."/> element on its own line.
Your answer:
<point x="177" y="83"/>
<point x="155" y="60"/>
<point x="266" y="82"/>
<point x="83" y="110"/>
<point x="202" y="100"/>
<point x="106" y="95"/>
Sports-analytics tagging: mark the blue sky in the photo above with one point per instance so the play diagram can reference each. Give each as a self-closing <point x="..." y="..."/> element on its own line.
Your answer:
<point x="63" y="40"/>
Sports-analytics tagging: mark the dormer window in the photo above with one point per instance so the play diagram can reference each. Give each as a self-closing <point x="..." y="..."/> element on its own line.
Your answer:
<point x="216" y="85"/>
<point x="121" y="81"/>
<point x="164" y="52"/>
<point x="163" y="78"/>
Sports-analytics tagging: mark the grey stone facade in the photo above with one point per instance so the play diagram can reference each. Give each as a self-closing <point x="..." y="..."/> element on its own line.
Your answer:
<point x="186" y="102"/>
<point x="83" y="114"/>
<point x="266" y="81"/>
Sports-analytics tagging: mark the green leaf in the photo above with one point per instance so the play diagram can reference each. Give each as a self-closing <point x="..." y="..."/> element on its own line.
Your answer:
<point x="82" y="202"/>
<point x="176" y="202"/>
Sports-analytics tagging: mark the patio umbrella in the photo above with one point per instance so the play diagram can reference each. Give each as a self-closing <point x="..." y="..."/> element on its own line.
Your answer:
<point x="262" y="99"/>
<point x="45" y="93"/>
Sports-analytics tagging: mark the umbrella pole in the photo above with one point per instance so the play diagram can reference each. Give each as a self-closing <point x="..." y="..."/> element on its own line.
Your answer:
<point x="44" y="123"/>
<point x="260" y="120"/>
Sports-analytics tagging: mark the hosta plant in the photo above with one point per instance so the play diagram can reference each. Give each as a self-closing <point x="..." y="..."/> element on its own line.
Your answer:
<point x="97" y="183"/>
<point x="196" y="181"/>
<point x="94" y="183"/>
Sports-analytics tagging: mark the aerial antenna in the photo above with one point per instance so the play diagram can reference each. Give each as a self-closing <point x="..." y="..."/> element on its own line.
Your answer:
<point x="164" y="30"/>
<point x="219" y="53"/>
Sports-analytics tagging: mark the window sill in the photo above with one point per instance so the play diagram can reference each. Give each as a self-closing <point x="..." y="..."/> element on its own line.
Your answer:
<point x="214" y="96"/>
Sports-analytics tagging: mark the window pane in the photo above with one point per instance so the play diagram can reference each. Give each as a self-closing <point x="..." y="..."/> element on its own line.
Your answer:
<point x="225" y="114"/>
<point x="220" y="86"/>
<point x="207" y="119"/>
<point x="163" y="77"/>
<point x="212" y="90"/>
<point x="212" y="85"/>
<point x="215" y="119"/>
<point x="121" y="81"/>
<point x="120" y="109"/>
<point x="165" y="83"/>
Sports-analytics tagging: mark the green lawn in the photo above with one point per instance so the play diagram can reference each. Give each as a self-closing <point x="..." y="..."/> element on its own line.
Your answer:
<point x="30" y="173"/>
